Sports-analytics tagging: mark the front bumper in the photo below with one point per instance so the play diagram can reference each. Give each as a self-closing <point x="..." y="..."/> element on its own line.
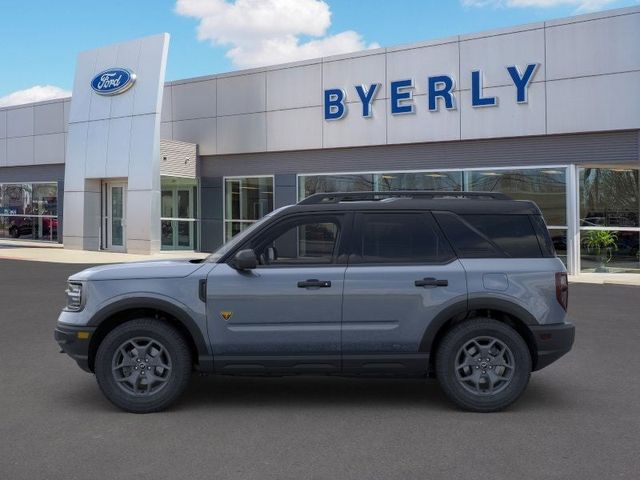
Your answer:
<point x="552" y="342"/>
<point x="74" y="341"/>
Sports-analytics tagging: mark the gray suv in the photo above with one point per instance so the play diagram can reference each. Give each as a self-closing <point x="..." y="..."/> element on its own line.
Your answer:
<point x="464" y="287"/>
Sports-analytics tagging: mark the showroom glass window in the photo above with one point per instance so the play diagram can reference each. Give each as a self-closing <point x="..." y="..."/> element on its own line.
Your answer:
<point x="29" y="211"/>
<point x="246" y="199"/>
<point x="609" y="219"/>
<point x="179" y="213"/>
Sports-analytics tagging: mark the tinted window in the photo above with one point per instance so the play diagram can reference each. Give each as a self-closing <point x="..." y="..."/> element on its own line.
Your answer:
<point x="467" y="241"/>
<point x="302" y="241"/>
<point x="400" y="238"/>
<point x="477" y="236"/>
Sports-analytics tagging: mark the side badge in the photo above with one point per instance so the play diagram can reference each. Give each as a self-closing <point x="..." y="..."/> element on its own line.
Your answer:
<point x="226" y="314"/>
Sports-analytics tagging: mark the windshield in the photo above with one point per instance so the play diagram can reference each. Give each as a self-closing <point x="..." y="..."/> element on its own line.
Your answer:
<point x="240" y="237"/>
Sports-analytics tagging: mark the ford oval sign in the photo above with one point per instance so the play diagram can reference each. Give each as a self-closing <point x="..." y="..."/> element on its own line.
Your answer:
<point x="113" y="81"/>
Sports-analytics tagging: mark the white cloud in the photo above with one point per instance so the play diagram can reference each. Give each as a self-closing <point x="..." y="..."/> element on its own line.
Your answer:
<point x="36" y="93"/>
<point x="265" y="32"/>
<point x="580" y="5"/>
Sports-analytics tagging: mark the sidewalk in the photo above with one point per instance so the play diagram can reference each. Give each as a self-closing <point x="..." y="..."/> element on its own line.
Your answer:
<point x="55" y="253"/>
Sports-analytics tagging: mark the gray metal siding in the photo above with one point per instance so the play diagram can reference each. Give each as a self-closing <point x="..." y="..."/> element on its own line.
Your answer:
<point x="621" y="147"/>
<point x="33" y="173"/>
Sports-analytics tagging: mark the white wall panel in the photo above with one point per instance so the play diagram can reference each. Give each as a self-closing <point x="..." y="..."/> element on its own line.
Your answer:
<point x="20" y="122"/>
<point x="151" y="74"/>
<point x="166" y="131"/>
<point x="167" y="108"/>
<point x="194" y="100"/>
<point x="296" y="129"/>
<point x="106" y="57"/>
<point x="421" y="63"/>
<point x="82" y="93"/>
<point x="66" y="108"/>
<point x="423" y="125"/>
<point x="572" y="105"/>
<point x="118" y="147"/>
<point x="76" y="155"/>
<point x="590" y="48"/>
<point x="97" y="140"/>
<point x="144" y="153"/>
<point x="128" y="54"/>
<point x="242" y="94"/>
<point x="492" y="55"/>
<point x="508" y="119"/>
<point x="48" y="118"/>
<point x="3" y="124"/>
<point x="201" y="131"/>
<point x="347" y="73"/>
<point x="49" y="148"/>
<point x="19" y="151"/>
<point x="356" y="130"/>
<point x="294" y="87"/>
<point x="242" y="133"/>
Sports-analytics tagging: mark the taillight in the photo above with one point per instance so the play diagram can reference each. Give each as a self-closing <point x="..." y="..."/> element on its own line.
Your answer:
<point x="562" y="289"/>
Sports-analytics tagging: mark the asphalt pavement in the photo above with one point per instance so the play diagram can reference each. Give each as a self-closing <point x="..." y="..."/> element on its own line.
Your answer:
<point x="579" y="418"/>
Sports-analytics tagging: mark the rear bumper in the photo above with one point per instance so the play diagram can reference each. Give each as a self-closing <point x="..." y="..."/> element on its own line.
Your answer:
<point x="552" y="342"/>
<point x="74" y="341"/>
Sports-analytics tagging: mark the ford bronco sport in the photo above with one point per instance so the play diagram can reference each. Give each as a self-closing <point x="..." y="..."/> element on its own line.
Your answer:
<point x="462" y="286"/>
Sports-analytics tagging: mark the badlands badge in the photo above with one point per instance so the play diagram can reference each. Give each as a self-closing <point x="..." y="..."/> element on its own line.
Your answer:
<point x="226" y="314"/>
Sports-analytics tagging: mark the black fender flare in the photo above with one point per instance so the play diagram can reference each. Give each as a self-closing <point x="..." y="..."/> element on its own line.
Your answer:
<point x="205" y="358"/>
<point x="462" y="308"/>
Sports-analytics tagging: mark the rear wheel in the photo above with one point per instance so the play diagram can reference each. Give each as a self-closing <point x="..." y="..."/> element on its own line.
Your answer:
<point x="483" y="365"/>
<point x="142" y="366"/>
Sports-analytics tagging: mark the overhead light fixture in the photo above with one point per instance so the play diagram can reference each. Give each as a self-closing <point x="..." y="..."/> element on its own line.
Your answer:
<point x="388" y="177"/>
<point x="552" y="172"/>
<point x="434" y="175"/>
<point x="491" y="174"/>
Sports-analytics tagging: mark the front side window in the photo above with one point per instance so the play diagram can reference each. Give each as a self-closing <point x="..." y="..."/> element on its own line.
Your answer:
<point x="399" y="238"/>
<point x="303" y="241"/>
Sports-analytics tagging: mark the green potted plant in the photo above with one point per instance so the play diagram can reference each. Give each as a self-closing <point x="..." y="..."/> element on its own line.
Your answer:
<point x="603" y="242"/>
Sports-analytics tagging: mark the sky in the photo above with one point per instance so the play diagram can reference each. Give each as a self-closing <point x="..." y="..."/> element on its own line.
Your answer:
<point x="40" y="39"/>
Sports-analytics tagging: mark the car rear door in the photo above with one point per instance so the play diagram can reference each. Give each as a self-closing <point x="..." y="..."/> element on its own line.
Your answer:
<point x="402" y="273"/>
<point x="285" y="315"/>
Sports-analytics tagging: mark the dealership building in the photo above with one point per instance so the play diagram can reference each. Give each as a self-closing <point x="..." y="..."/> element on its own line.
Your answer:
<point x="548" y="112"/>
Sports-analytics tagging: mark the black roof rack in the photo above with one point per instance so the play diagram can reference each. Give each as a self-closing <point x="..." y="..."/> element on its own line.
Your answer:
<point x="320" y="198"/>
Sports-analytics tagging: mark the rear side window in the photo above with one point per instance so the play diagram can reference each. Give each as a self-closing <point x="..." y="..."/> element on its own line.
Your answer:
<point x="491" y="236"/>
<point x="400" y="238"/>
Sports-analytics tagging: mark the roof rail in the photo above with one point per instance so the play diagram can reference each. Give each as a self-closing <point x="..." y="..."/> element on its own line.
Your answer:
<point x="336" y="197"/>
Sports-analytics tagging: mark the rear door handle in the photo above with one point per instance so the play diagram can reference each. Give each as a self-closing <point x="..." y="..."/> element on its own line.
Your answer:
<point x="314" y="283"/>
<point x="431" y="282"/>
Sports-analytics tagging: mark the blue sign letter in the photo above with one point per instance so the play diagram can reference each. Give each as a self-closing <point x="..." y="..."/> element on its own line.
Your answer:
<point x="441" y="86"/>
<point x="334" y="107"/>
<point x="366" y="97"/>
<point x="522" y="81"/>
<point x="476" y="92"/>
<point x="397" y="97"/>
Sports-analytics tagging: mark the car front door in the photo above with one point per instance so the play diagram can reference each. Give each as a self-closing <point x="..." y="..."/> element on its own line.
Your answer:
<point x="285" y="315"/>
<point x="401" y="275"/>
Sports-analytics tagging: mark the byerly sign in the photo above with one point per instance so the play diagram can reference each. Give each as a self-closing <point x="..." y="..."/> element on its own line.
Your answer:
<point x="113" y="81"/>
<point x="440" y="90"/>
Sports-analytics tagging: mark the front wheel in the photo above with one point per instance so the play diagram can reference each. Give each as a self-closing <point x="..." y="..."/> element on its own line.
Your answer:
<point x="483" y="365"/>
<point x="143" y="366"/>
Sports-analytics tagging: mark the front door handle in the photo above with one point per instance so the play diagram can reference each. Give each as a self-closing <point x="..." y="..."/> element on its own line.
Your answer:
<point x="431" y="282"/>
<point x="314" y="283"/>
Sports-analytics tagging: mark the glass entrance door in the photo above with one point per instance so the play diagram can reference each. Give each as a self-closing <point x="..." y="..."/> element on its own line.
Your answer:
<point x="177" y="218"/>
<point x="115" y="216"/>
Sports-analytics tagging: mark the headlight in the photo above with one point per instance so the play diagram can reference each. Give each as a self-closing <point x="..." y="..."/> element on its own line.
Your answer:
<point x="74" y="296"/>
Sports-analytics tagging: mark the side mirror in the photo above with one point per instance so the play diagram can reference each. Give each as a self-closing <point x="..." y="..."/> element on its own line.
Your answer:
<point x="245" y="260"/>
